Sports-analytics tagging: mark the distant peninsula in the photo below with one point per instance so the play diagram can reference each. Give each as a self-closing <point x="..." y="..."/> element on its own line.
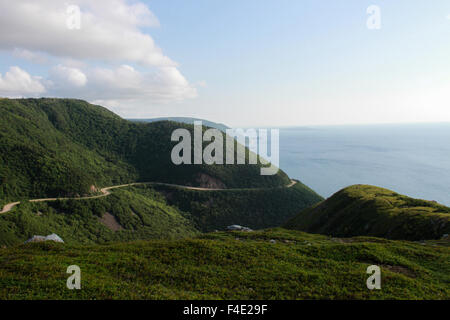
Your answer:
<point x="187" y="120"/>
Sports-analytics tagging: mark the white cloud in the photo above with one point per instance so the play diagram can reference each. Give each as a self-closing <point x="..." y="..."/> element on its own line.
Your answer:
<point x="109" y="30"/>
<point x="110" y="36"/>
<point x="123" y="83"/>
<point x="17" y="82"/>
<point x="66" y="76"/>
<point x="123" y="78"/>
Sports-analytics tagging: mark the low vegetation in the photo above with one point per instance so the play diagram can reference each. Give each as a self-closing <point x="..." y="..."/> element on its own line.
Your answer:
<point x="271" y="264"/>
<point x="366" y="210"/>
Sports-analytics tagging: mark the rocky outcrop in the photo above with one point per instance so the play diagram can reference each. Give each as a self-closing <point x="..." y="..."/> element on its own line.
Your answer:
<point x="109" y="221"/>
<point x="206" y="181"/>
<point x="236" y="227"/>
<point x="52" y="237"/>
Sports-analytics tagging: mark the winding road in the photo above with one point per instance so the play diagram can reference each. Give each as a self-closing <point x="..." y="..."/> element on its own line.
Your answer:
<point x="106" y="192"/>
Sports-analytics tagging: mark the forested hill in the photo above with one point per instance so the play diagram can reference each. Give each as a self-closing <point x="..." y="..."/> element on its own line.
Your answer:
<point x="53" y="147"/>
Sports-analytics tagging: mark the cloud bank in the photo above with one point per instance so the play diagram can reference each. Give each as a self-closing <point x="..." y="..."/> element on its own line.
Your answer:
<point x="108" y="58"/>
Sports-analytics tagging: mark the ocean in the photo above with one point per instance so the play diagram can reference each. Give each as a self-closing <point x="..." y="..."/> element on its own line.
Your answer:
<point x="411" y="159"/>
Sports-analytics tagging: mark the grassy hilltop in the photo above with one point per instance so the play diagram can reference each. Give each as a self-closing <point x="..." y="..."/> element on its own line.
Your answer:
<point x="367" y="210"/>
<point x="229" y="266"/>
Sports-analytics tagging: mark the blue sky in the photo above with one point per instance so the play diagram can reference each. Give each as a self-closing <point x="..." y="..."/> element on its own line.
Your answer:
<point x="258" y="63"/>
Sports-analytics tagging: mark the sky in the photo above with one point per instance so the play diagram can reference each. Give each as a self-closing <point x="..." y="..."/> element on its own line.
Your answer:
<point x="243" y="63"/>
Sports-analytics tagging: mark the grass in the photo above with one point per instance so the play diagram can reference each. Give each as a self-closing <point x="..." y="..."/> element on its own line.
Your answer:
<point x="368" y="210"/>
<point x="229" y="266"/>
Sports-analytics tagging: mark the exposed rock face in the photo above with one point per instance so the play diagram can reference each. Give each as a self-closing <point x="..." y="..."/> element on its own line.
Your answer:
<point x="206" y="181"/>
<point x="52" y="237"/>
<point x="110" y="222"/>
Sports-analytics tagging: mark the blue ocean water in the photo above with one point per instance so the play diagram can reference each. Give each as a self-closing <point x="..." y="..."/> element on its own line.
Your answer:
<point x="411" y="159"/>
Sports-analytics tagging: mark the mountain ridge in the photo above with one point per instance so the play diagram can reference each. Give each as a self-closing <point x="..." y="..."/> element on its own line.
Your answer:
<point x="187" y="120"/>
<point x="55" y="147"/>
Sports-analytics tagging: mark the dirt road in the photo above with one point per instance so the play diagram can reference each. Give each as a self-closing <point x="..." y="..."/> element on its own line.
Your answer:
<point x="106" y="192"/>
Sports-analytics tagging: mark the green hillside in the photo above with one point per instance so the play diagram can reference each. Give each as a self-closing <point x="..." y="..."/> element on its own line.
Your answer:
<point x="148" y="241"/>
<point x="229" y="266"/>
<point x="153" y="212"/>
<point x="372" y="211"/>
<point x="137" y="215"/>
<point x="54" y="147"/>
<point x="253" y="208"/>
